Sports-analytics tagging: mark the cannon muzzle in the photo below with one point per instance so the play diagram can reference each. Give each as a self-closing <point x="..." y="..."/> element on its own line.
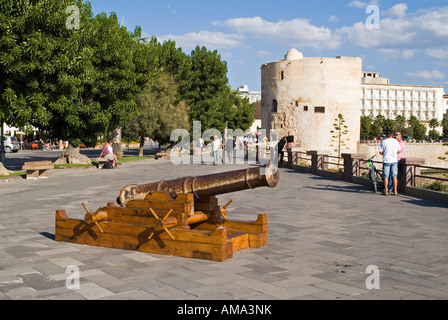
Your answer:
<point x="206" y="186"/>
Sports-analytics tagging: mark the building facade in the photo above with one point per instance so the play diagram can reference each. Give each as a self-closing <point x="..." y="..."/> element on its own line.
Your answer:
<point x="379" y="97"/>
<point x="17" y="132"/>
<point x="445" y="106"/>
<point x="303" y="97"/>
<point x="253" y="96"/>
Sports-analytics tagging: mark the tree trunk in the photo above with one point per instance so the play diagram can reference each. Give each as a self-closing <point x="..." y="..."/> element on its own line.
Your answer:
<point x="142" y="144"/>
<point x="116" y="143"/>
<point x="72" y="156"/>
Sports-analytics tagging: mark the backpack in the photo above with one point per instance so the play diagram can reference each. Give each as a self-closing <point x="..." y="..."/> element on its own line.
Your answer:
<point x="108" y="165"/>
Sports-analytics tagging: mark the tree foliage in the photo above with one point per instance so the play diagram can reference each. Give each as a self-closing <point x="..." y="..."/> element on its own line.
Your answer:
<point x="209" y="96"/>
<point x="73" y="83"/>
<point x="445" y="127"/>
<point x="411" y="128"/>
<point x="81" y="83"/>
<point x="160" y="112"/>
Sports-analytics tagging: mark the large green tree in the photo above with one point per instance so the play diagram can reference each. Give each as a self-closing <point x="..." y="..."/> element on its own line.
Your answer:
<point x="203" y="85"/>
<point x="74" y="83"/>
<point x="208" y="93"/>
<point x="160" y="113"/>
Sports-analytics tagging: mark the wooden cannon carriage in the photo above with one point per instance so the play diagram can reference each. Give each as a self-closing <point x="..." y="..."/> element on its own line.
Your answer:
<point x="178" y="217"/>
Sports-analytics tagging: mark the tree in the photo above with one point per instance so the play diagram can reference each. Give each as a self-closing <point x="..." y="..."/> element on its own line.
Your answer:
<point x="379" y="124"/>
<point x="419" y="131"/>
<point x="434" y="123"/>
<point x="433" y="133"/>
<point x="340" y="130"/>
<point x="208" y="93"/>
<point x="32" y="56"/>
<point x="413" y="121"/>
<point x="376" y="129"/>
<point x="241" y="114"/>
<point x="445" y="127"/>
<point x="75" y="84"/>
<point x="401" y="123"/>
<point x="389" y="124"/>
<point x="161" y="113"/>
<point x="366" y="127"/>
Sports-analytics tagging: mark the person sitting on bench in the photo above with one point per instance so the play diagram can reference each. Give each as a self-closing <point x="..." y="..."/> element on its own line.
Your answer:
<point x="107" y="153"/>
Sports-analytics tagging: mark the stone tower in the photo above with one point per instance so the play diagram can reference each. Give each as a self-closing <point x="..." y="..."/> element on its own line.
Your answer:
<point x="304" y="96"/>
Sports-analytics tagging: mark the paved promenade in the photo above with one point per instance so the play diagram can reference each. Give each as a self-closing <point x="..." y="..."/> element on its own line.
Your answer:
<point x="322" y="236"/>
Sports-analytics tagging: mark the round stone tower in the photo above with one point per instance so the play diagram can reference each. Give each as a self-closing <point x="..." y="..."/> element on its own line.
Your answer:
<point x="304" y="96"/>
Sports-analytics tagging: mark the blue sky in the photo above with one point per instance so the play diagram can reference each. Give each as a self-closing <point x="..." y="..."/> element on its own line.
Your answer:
<point x="409" y="45"/>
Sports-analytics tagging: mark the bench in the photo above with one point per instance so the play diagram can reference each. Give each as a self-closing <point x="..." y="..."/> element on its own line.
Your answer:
<point x="101" y="161"/>
<point x="161" y="155"/>
<point x="37" y="169"/>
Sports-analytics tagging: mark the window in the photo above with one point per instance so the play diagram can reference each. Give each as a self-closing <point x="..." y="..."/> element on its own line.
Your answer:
<point x="319" y="109"/>
<point x="283" y="75"/>
<point x="297" y="103"/>
<point x="274" y="106"/>
<point x="305" y="108"/>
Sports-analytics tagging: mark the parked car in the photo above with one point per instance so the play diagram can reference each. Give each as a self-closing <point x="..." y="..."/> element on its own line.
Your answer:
<point x="11" y="144"/>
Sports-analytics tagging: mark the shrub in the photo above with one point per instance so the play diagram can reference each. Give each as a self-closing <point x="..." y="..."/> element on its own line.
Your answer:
<point x="436" y="186"/>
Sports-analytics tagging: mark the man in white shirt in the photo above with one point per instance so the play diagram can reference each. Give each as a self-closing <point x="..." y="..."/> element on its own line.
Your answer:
<point x="389" y="149"/>
<point x="216" y="144"/>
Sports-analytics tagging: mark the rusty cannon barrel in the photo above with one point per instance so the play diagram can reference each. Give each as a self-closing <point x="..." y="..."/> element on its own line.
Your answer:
<point x="208" y="185"/>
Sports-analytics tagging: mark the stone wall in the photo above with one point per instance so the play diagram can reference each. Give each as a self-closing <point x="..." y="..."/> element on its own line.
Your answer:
<point x="300" y="86"/>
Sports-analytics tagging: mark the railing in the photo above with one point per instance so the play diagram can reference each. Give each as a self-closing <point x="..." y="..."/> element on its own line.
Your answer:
<point x="417" y="170"/>
<point x="354" y="165"/>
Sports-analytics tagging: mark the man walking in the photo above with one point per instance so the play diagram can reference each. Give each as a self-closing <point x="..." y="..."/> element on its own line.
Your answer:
<point x="389" y="149"/>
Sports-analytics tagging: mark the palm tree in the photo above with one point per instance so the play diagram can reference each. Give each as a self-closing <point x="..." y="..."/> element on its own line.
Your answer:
<point x="434" y="123"/>
<point x="401" y="122"/>
<point x="433" y="133"/>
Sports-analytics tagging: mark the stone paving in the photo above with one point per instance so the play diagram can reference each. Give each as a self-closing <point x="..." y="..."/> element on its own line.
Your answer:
<point x="322" y="236"/>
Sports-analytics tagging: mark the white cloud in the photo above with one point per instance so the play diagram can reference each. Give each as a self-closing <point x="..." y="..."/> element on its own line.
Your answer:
<point x="212" y="40"/>
<point x="333" y="19"/>
<point x="438" y="53"/>
<point x="426" y="74"/>
<point x="264" y="53"/>
<point x="391" y="54"/>
<point x="360" y="4"/>
<point x="424" y="29"/>
<point x="398" y="10"/>
<point x="293" y="33"/>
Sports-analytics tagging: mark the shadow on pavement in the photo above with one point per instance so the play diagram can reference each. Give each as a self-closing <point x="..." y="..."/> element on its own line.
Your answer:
<point x="350" y="189"/>
<point x="427" y="203"/>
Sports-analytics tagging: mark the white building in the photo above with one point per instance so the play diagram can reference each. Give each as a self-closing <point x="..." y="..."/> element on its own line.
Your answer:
<point x="253" y="96"/>
<point x="445" y="105"/>
<point x="379" y="97"/>
<point x="17" y="132"/>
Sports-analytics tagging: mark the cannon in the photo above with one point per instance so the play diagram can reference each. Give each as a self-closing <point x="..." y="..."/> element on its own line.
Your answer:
<point x="178" y="217"/>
